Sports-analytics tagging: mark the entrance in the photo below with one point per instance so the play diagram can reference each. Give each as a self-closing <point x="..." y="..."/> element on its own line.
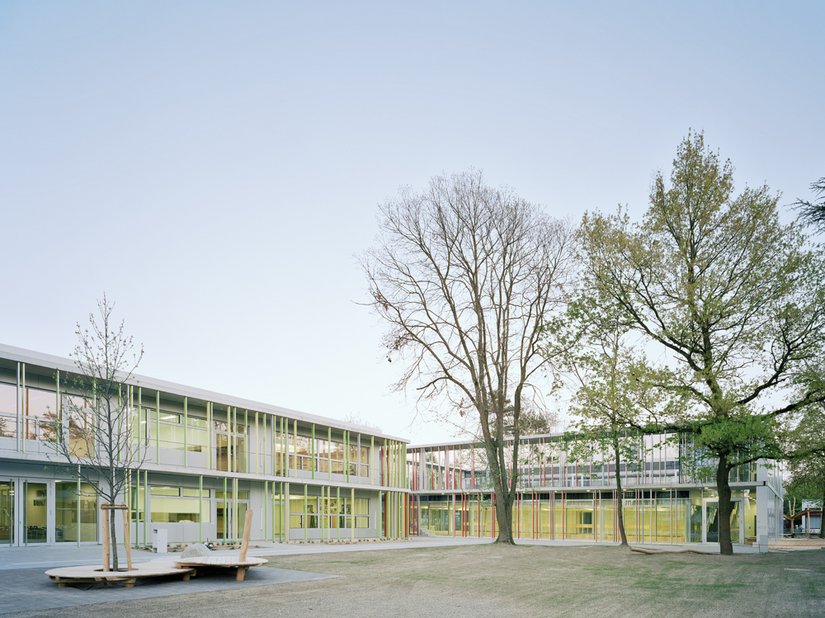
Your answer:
<point x="229" y="519"/>
<point x="710" y="521"/>
<point x="7" y="536"/>
<point x="25" y="517"/>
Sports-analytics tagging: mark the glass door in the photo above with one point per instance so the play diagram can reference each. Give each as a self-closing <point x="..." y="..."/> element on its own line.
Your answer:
<point x="710" y="522"/>
<point x="7" y="536"/>
<point x="35" y="513"/>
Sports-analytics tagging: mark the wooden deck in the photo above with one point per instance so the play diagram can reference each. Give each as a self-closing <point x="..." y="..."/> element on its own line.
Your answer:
<point x="95" y="574"/>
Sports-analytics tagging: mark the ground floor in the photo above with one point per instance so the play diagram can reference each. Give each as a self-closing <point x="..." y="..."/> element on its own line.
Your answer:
<point x="689" y="515"/>
<point x="47" y="504"/>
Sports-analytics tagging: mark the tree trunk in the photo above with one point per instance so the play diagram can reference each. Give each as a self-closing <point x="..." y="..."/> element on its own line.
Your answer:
<point x="504" y="505"/>
<point x="724" y="510"/>
<point x="113" y="537"/>
<point x="619" y="492"/>
<point x="504" y="518"/>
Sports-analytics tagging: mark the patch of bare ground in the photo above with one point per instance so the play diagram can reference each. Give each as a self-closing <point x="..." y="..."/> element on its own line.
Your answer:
<point x="491" y="580"/>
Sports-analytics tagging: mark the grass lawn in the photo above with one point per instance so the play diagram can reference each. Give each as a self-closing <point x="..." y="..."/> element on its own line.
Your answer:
<point x="488" y="580"/>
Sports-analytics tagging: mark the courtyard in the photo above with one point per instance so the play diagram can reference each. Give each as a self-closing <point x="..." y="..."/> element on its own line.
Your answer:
<point x="471" y="580"/>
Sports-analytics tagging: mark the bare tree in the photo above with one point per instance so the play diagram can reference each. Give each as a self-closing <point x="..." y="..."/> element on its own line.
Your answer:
<point x="103" y="443"/>
<point x="468" y="276"/>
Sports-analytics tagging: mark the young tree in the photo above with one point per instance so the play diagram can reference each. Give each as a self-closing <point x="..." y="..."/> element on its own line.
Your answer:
<point x="732" y="295"/>
<point x="813" y="213"/>
<point x="103" y="444"/>
<point x="613" y="399"/>
<point x="467" y="277"/>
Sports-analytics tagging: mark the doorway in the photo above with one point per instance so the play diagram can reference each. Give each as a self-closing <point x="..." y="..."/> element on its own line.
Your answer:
<point x="7" y="527"/>
<point x="710" y="521"/>
<point x="230" y="514"/>
<point x="25" y="514"/>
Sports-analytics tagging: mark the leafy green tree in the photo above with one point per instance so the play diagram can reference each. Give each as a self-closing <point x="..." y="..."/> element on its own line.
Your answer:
<point x="467" y="277"/>
<point x="730" y="295"/>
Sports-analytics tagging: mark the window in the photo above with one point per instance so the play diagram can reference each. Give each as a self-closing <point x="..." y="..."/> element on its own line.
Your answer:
<point x="302" y="450"/>
<point x="318" y="512"/>
<point x="230" y="447"/>
<point x="81" y="430"/>
<point x="41" y="415"/>
<point x="330" y="456"/>
<point x="170" y="435"/>
<point x="8" y="410"/>
<point x="197" y="436"/>
<point x="68" y="504"/>
<point x="178" y="505"/>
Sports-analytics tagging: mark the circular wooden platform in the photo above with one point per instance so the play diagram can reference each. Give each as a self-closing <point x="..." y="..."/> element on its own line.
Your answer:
<point x="227" y="562"/>
<point x="95" y="573"/>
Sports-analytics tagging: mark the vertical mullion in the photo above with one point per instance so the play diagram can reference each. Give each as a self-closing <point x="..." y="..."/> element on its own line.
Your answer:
<point x="59" y="413"/>
<point x="145" y="500"/>
<point x="137" y="510"/>
<point x="211" y="430"/>
<point x="185" y="430"/>
<point x="77" y="513"/>
<point x="230" y="439"/>
<point x="285" y="514"/>
<point x="338" y="523"/>
<point x="295" y="444"/>
<point x="23" y="407"/>
<point x="257" y="447"/>
<point x="235" y="522"/>
<point x="157" y="427"/>
<point x="200" y="508"/>
<point x="346" y="456"/>
<point x="225" y="510"/>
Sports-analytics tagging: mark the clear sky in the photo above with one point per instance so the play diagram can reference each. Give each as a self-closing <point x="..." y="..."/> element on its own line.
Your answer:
<point x="215" y="167"/>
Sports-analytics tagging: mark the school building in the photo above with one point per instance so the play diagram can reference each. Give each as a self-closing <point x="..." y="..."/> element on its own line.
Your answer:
<point x="210" y="457"/>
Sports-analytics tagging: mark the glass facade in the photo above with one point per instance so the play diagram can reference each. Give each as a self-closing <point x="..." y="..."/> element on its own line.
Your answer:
<point x="649" y="516"/>
<point x="201" y="435"/>
<point x="669" y="494"/>
<point x="205" y="464"/>
<point x="328" y="512"/>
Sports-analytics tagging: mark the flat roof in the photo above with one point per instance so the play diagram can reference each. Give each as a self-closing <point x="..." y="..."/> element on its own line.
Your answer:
<point x="64" y="364"/>
<point x="479" y="441"/>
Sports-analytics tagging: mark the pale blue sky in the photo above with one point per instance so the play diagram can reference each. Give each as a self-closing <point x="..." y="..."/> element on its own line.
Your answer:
<point x="216" y="166"/>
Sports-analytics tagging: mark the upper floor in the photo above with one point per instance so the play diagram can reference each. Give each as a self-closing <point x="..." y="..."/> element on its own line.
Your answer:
<point x="555" y="462"/>
<point x="184" y="429"/>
